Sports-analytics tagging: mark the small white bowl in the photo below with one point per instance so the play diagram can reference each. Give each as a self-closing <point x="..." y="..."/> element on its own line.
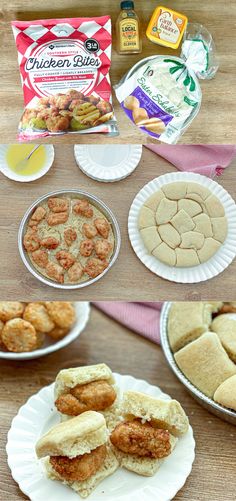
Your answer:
<point x="107" y="163"/>
<point x="4" y="168"/>
<point x="82" y="309"/>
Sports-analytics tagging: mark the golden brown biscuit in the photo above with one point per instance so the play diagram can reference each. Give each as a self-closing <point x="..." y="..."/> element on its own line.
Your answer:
<point x="226" y="393"/>
<point x="187" y="320"/>
<point x="62" y="313"/>
<point x="11" y="309"/>
<point x="19" y="336"/>
<point x="58" y="333"/>
<point x="225" y="328"/>
<point x="205" y="363"/>
<point x="131" y="102"/>
<point x="138" y="115"/>
<point x="38" y="316"/>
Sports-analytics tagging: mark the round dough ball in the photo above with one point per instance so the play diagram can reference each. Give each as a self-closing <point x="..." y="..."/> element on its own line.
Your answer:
<point x="131" y="102"/>
<point x="139" y="114"/>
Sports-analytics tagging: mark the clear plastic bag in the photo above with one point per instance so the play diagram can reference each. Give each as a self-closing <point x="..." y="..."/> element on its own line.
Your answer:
<point x="198" y="33"/>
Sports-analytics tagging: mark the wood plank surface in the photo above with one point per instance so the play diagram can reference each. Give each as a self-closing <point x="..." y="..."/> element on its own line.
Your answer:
<point x="128" y="278"/>
<point x="215" y="121"/>
<point x="104" y="340"/>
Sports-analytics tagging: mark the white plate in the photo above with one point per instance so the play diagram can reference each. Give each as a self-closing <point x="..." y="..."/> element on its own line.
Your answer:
<point x="216" y="264"/>
<point x="38" y="415"/>
<point x="82" y="316"/>
<point x="4" y="168"/>
<point x="108" y="163"/>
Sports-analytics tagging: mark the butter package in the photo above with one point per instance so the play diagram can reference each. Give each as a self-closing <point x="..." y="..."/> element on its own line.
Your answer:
<point x="166" y="27"/>
<point x="64" y="66"/>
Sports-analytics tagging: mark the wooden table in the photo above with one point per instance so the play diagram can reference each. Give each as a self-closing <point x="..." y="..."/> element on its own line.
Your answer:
<point x="128" y="278"/>
<point x="214" y="124"/>
<point x="213" y="474"/>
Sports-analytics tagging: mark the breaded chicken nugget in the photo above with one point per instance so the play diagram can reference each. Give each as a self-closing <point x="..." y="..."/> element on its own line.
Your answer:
<point x="83" y="208"/>
<point x="49" y="242"/>
<point x="133" y="437"/>
<point x="79" y="468"/>
<point x="58" y="333"/>
<point x="58" y="204"/>
<point x="89" y="230"/>
<point x="102" y="226"/>
<point x="102" y="248"/>
<point x="31" y="241"/>
<point x="55" y="271"/>
<point x="38" y="316"/>
<point x="19" y="336"/>
<point x="65" y="258"/>
<point x="11" y="309"/>
<point x="95" y="267"/>
<point x="40" y="257"/>
<point x="70" y="236"/>
<point x="55" y="218"/>
<point x="94" y="396"/>
<point x="37" y="216"/>
<point x="62" y="313"/>
<point x="86" y="248"/>
<point x="75" y="272"/>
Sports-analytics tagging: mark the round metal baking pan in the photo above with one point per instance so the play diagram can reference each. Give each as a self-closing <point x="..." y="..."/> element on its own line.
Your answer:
<point x="206" y="402"/>
<point x="80" y="195"/>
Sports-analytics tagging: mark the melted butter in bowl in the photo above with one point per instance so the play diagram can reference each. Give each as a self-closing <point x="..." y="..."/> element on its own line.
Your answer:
<point x="18" y="152"/>
<point x="37" y="165"/>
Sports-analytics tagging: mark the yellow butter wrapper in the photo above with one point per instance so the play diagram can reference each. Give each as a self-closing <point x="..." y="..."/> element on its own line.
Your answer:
<point x="166" y="27"/>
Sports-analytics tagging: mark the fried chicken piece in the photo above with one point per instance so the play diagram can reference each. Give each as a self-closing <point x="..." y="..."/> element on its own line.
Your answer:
<point x="102" y="226"/>
<point x="83" y="208"/>
<point x="49" y="242"/>
<point x="93" y="99"/>
<point x="40" y="257"/>
<point x="75" y="94"/>
<point x="133" y="437"/>
<point x="19" y="336"/>
<point x="28" y="114"/>
<point x="62" y="101"/>
<point x="62" y="313"/>
<point x="95" y="267"/>
<point x="58" y="204"/>
<point x="74" y="103"/>
<point x="227" y="308"/>
<point x="57" y="218"/>
<point x="10" y="309"/>
<point x="86" y="248"/>
<point x="102" y="248"/>
<point x="55" y="272"/>
<point x="95" y="396"/>
<point x="38" y="316"/>
<point x="65" y="258"/>
<point x="58" y="333"/>
<point x="89" y="230"/>
<point x="70" y="236"/>
<point x="37" y="216"/>
<point x="104" y="107"/>
<point x="57" y="123"/>
<point x="75" y="272"/>
<point x="79" y="468"/>
<point x="31" y="241"/>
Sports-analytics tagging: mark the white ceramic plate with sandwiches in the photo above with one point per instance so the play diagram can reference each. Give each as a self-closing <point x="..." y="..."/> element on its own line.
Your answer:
<point x="39" y="415"/>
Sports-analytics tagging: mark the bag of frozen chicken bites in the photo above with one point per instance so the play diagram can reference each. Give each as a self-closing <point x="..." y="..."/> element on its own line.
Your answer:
<point x="64" y="66"/>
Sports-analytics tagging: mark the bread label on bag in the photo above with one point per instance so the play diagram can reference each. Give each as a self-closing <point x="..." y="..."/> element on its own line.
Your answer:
<point x="64" y="65"/>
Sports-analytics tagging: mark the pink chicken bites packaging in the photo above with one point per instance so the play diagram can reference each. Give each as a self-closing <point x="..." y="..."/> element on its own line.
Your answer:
<point x="64" y="67"/>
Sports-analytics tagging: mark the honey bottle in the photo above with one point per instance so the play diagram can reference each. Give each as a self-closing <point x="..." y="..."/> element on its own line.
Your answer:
<point x="128" y="30"/>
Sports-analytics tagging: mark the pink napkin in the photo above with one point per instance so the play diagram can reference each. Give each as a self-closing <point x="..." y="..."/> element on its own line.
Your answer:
<point x="139" y="317"/>
<point x="209" y="160"/>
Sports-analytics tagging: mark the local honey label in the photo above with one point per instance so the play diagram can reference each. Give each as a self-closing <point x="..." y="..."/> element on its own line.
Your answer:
<point x="166" y="27"/>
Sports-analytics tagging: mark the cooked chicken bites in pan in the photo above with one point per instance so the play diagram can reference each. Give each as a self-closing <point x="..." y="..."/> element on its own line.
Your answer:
<point x="69" y="240"/>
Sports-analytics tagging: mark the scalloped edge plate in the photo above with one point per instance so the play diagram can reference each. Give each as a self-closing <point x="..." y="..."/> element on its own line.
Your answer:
<point x="216" y="264"/>
<point x="4" y="168"/>
<point x="38" y="415"/>
<point x="127" y="163"/>
<point x="82" y="313"/>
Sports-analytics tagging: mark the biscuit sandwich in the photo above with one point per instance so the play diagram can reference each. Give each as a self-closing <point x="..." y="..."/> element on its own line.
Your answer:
<point x="77" y="452"/>
<point x="148" y="432"/>
<point x="82" y="389"/>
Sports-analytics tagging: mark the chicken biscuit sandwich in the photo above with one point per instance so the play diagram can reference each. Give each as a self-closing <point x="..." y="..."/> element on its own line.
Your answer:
<point x="148" y="432"/>
<point x="77" y="452"/>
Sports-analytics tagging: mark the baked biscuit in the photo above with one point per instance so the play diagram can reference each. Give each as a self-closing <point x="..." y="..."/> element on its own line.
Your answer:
<point x="165" y="253"/>
<point x="187" y="321"/>
<point x="166" y="211"/>
<point x="205" y="363"/>
<point x="225" y="328"/>
<point x="150" y="237"/>
<point x="226" y="393"/>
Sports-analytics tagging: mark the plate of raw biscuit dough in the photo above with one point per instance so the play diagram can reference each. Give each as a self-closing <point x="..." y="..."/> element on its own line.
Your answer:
<point x="182" y="226"/>
<point x="75" y="438"/>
